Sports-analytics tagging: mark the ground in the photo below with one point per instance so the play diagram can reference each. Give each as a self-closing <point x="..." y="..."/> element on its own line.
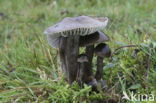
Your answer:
<point x="28" y="65"/>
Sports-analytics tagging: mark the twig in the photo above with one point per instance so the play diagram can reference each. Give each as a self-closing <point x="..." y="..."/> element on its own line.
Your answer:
<point x="114" y="52"/>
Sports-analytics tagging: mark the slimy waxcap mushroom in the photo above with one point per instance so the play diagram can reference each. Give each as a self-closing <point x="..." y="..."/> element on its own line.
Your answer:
<point x="102" y="50"/>
<point x="81" y="25"/>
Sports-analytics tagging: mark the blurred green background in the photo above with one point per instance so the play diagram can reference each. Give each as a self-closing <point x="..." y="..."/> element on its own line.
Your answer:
<point x="28" y="65"/>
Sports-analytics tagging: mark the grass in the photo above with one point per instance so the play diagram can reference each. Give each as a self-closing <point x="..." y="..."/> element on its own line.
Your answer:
<point x="28" y="65"/>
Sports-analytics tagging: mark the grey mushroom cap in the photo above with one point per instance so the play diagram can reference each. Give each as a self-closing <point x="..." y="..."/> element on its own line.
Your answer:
<point x="103" y="50"/>
<point x="81" y="25"/>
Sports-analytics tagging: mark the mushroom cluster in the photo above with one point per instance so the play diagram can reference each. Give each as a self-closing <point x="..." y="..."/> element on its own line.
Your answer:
<point x="72" y="33"/>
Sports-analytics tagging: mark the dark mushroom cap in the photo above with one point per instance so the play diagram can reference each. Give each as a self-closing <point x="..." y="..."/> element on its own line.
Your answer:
<point x="103" y="50"/>
<point x="81" y="25"/>
<point x="97" y="37"/>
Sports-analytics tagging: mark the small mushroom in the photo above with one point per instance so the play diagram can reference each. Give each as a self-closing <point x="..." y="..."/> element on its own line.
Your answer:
<point x="102" y="51"/>
<point x="83" y="75"/>
<point x="82" y="60"/>
<point x="65" y="36"/>
<point x="97" y="37"/>
<point x="89" y="41"/>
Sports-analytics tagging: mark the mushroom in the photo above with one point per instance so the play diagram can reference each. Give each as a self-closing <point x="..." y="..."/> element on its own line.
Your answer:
<point x="102" y="51"/>
<point x="84" y="75"/>
<point x="97" y="37"/>
<point x="89" y="41"/>
<point x="83" y="61"/>
<point x="65" y="36"/>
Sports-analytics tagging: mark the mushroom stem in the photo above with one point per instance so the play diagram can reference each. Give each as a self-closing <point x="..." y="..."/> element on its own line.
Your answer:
<point x="82" y="60"/>
<point x="82" y="71"/>
<point x="89" y="52"/>
<point x="102" y="51"/>
<point x="62" y="51"/>
<point x="83" y="76"/>
<point x="99" y="72"/>
<point x="72" y="51"/>
<point x="88" y="77"/>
